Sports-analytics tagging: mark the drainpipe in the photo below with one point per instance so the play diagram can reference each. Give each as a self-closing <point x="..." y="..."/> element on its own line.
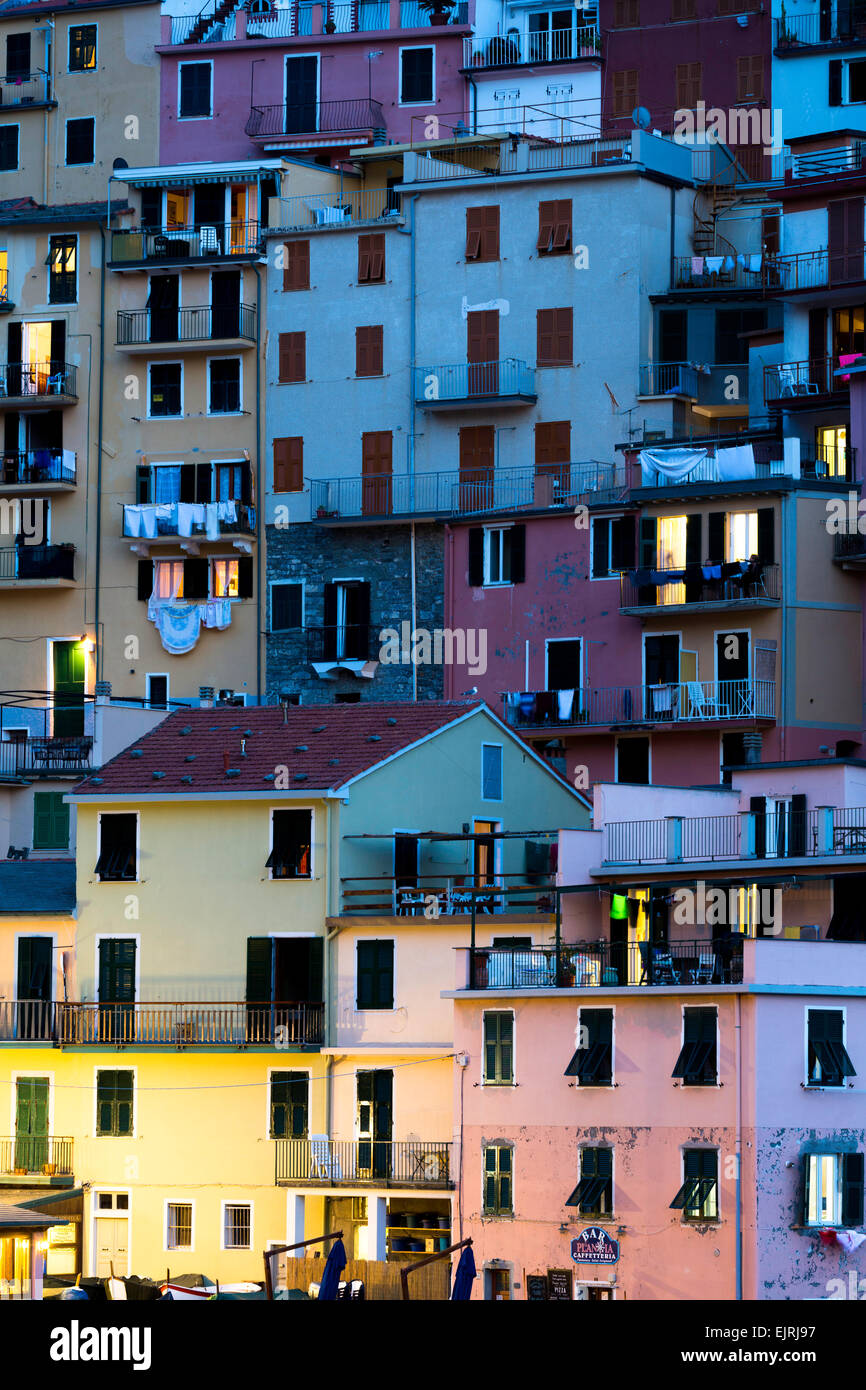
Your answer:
<point x="260" y="496"/>
<point x="410" y="461"/>
<point x="738" y="1292"/>
<point x="97" y="565"/>
<point x="412" y="567"/>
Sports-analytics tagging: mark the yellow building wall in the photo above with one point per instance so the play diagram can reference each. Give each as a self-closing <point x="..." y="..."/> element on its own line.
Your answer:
<point x="61" y="930"/>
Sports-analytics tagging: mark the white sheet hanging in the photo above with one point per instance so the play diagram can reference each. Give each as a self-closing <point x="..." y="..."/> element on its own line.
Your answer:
<point x="674" y="464"/>
<point x="736" y="462"/>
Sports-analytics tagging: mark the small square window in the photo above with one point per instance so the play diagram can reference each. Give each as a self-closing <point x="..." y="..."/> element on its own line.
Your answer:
<point x="178" y="1235"/>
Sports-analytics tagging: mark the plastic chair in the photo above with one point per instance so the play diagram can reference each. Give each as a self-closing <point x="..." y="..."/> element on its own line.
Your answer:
<point x="209" y="239"/>
<point x="323" y="1163"/>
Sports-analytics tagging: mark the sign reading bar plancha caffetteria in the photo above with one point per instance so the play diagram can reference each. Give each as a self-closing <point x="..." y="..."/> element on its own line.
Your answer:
<point x="594" y="1247"/>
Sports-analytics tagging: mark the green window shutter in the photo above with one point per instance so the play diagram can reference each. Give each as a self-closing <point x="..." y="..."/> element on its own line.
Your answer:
<point x="259" y="950"/>
<point x="498" y="1047"/>
<point x="50" y="821"/>
<point x="385" y="975"/>
<point x="366" y="972"/>
<point x="375" y="975"/>
<point x="505" y="1179"/>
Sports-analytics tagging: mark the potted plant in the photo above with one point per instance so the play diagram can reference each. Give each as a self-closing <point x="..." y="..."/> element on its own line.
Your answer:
<point x="440" y="11"/>
<point x="330" y="26"/>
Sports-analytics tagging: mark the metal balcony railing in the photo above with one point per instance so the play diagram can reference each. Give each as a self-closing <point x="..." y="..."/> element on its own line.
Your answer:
<point x="191" y="1024"/>
<point x="768" y="455"/>
<point x="446" y="895"/>
<point x="718" y="272"/>
<point x="37" y="562"/>
<point x="829" y="461"/>
<point x="821" y="164"/>
<point x="201" y="242"/>
<point x="753" y="585"/>
<point x="464" y="381"/>
<point x="514" y="49"/>
<point x="819" y="269"/>
<point x="815" y="833"/>
<point x="449" y="494"/>
<point x="606" y="964"/>
<point x="20" y="380"/>
<point x="47" y="1155"/>
<point x="342" y="642"/>
<point x="136" y="327"/>
<point x="371" y="1162"/>
<point x="37" y="466"/>
<point x="668" y="379"/>
<point x="325" y="117"/>
<point x="819" y="29"/>
<point x="24" y="88"/>
<point x="814" y="376"/>
<point x="301" y="213"/>
<point x="48" y="756"/>
<point x="849" y="543"/>
<point x="677" y="702"/>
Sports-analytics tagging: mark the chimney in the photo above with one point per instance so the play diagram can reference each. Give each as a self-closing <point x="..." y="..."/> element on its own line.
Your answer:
<point x="205" y="696"/>
<point x="752" y="743"/>
<point x="102" y="692"/>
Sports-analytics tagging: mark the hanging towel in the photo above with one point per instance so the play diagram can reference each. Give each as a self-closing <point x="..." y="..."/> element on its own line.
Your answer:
<point x="662" y="699"/>
<point x="714" y="264"/>
<point x="527" y="706"/>
<point x="755" y="262"/>
<point x="185" y="511"/>
<point x="132" y="518"/>
<point x="711" y="571"/>
<point x="697" y="265"/>
<point x="850" y="1240"/>
<point x="565" y="703"/>
<point x="741" y="261"/>
<point x="149" y="519"/>
<point x="228" y="511"/>
<point x="217" y="612"/>
<point x="178" y="625"/>
<point x="729" y="263"/>
<point x="212" y="521"/>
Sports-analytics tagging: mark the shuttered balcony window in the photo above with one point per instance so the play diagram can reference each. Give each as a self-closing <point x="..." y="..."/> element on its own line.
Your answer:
<point x="371" y="258"/>
<point x="291" y="844"/>
<point x="482" y="234"/>
<point x="554" y="227"/>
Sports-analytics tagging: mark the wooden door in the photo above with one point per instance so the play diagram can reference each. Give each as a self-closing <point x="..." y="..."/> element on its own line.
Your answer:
<point x="112" y="1246"/>
<point x="226" y="303"/>
<point x="482" y="352"/>
<point x="376" y="469"/>
<point x="68" y="660"/>
<point x="163" y="302"/>
<point x="117" y="989"/>
<point x="35" y="956"/>
<point x="302" y="90"/>
<point x="375" y="1110"/>
<point x="845" y="240"/>
<point x="477" y="446"/>
<point x="31" y="1123"/>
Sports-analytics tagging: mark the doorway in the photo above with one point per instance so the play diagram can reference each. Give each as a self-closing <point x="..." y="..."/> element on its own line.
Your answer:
<point x="117" y="989"/>
<point x="111" y="1241"/>
<point x="225" y="288"/>
<point x="563" y="663"/>
<point x="482" y="352"/>
<point x="163" y="302"/>
<point x="375" y="1092"/>
<point x="302" y="90"/>
<point x="35" y="958"/>
<point x="484" y="857"/>
<point x="31" y="1123"/>
<point x="68" y="683"/>
<point x="406" y="852"/>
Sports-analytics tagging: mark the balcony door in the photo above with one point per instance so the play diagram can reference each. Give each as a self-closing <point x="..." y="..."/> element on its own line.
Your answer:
<point x="226" y="303"/>
<point x="68" y="679"/>
<point x="376" y="471"/>
<point x="33" y="992"/>
<point x="347" y="621"/>
<point x="302" y="92"/>
<point x="31" y="1123"/>
<point x="662" y="675"/>
<point x="477" y="453"/>
<point x="374" y="1119"/>
<point x="281" y="970"/>
<point x="845" y="240"/>
<point x="733" y="668"/>
<point x="163" y="303"/>
<point x="482" y="352"/>
<point x="406" y="854"/>
<point x="117" y="989"/>
<point x="484" y="855"/>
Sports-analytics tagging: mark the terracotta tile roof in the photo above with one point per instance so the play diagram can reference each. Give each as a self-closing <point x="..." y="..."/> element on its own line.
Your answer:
<point x="323" y="747"/>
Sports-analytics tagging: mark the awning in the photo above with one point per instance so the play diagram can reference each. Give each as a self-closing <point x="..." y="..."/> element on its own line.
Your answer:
<point x="44" y="1199"/>
<point x="178" y="175"/>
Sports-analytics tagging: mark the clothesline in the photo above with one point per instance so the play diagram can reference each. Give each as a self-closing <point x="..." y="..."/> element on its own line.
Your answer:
<point x="180" y="517"/>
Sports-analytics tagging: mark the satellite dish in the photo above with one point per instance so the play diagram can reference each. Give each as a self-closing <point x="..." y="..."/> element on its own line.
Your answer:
<point x="120" y="163"/>
<point x="641" y="117"/>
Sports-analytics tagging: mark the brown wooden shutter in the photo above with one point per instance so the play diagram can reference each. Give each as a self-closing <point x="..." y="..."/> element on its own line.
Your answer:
<point x="555" y="337"/>
<point x="688" y="85"/>
<point x="473" y="234"/>
<point x="750" y="78"/>
<point x="482" y="351"/>
<point x="368" y="350"/>
<point x="289" y="465"/>
<point x="477" y="448"/>
<point x="682" y="9"/>
<point x="296" y="268"/>
<point x="552" y="445"/>
<point x="371" y="258"/>
<point x="293" y="357"/>
<point x="554" y="225"/>
<point x="626" y="14"/>
<point x="546" y="221"/>
<point x="625" y="91"/>
<point x="376" y="468"/>
<point x="482" y="234"/>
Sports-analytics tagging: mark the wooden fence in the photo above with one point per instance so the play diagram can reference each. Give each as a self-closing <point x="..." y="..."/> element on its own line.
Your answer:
<point x="381" y="1280"/>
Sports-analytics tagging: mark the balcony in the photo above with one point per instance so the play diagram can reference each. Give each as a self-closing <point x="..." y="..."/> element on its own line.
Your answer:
<point x="37" y="385"/>
<point x="183" y="1025"/>
<point x="849" y="546"/>
<point x="819" y="30"/>
<point x="22" y="89"/>
<point x="805" y="384"/>
<point x="452" y="895"/>
<point x="818" y="270"/>
<point x="668" y="379"/>
<point x="464" y="385"/>
<point x="820" y="833"/>
<point x="355" y="116"/>
<point x="36" y="1160"/>
<point x="215" y="25"/>
<point x="43" y="565"/>
<point x="447" y="494"/>
<point x="768" y="455"/>
<point x="827" y="164"/>
<point x="327" y="1162"/>
<point x="667" y="705"/>
<point x="211" y="244"/>
<point x="606" y="965"/>
<point x="46" y="757"/>
<point x="333" y="210"/>
<point x="37" y="470"/>
<point x="501" y="157"/>
<point x="517" y="50"/>
<point x="741" y="272"/>
<point x="173" y="522"/>
<point x="142" y="330"/>
<point x="696" y="589"/>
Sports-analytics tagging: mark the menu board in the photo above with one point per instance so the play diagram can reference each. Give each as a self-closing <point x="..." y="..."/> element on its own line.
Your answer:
<point x="536" y="1288"/>
<point x="559" y="1285"/>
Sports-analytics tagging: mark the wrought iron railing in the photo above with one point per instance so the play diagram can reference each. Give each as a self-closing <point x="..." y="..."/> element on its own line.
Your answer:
<point x="757" y="583"/>
<point x="819" y="29"/>
<point x="461" y="381"/>
<point x="678" y="702"/>
<point x="37" y="562"/>
<point x="819" y="269"/>
<point x="810" y="377"/>
<point x="192" y="1024"/>
<point x="38" y="379"/>
<point x="403" y="1163"/>
<point x="24" y="88"/>
<point x="137" y="327"/>
<point x="48" y="1155"/>
<point x="37" y="466"/>
<point x="668" y="379"/>
<point x="285" y="119"/>
<point x="607" y="964"/>
<point x="514" y="48"/>
<point x="202" y="241"/>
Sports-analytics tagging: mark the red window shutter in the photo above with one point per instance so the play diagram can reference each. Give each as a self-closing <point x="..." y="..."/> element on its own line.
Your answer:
<point x="296" y="269"/>
<point x="376" y="468"/>
<point x="476" y="451"/>
<point x="289" y="465"/>
<point x="544" y="351"/>
<point x="546" y="224"/>
<point x="490" y="234"/>
<point x="473" y="233"/>
<point x="555" y="337"/>
<point x="371" y="258"/>
<point x="368" y="350"/>
<point x="293" y="357"/>
<point x="750" y="78"/>
<point x="552" y="443"/>
<point x="562" y="225"/>
<point x="625" y="91"/>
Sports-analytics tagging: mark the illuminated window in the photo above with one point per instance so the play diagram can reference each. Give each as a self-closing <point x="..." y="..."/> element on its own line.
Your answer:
<point x="62" y="269"/>
<point x="671" y="555"/>
<point x="831" y="453"/>
<point x="742" y="535"/>
<point x="225" y="579"/>
<point x="82" y="47"/>
<point x="168" y="579"/>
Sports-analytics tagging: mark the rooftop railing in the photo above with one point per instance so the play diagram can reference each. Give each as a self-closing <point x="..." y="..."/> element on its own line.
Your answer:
<point x="769" y="463"/>
<point x="353" y="114"/>
<point x="369" y="1162"/>
<point x="304" y="212"/>
<point x="606" y="964"/>
<point x="820" y="29"/>
<point x="203" y="242"/>
<point x="46" y="757"/>
<point x="816" y="833"/>
<point x="675" y="702"/>
<point x="294" y="20"/>
<point x="138" y="327"/>
<point x="818" y="164"/>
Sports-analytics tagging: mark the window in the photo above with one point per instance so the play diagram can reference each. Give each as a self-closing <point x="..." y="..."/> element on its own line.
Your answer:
<point x="296" y="265"/>
<point x="697" y="1064"/>
<point x="834" y="1190"/>
<point x="50" y="821"/>
<point x="626" y="14"/>
<point x="688" y="79"/>
<point x="673" y="335"/>
<point x="289" y="465"/>
<point x="682" y="9"/>
<point x="594" y="1193"/>
<point x="287" y="607"/>
<point x="550" y="35"/>
<point x="178" y="1226"/>
<point x="491" y="772"/>
<point x="237" y="1226"/>
<point x="79" y="140"/>
<point x="157" y="691"/>
<point x="698" y="1198"/>
<point x="350" y="697"/>
<point x="612" y="545"/>
<point x="501" y="547"/>
<point x="113" y="1201"/>
<point x="482" y="234"/>
<point x="8" y="147"/>
<point x="416" y="75"/>
<point x="742" y="531"/>
<point x="831" y="451"/>
<point x="750" y="78"/>
<point x="118" y="833"/>
<point x="498" y="1049"/>
<point x="114" y="1102"/>
<point x="828" y="1064"/>
<point x="554" y="227"/>
<point x="62" y="270"/>
<point x="633" y="760"/>
<point x="555" y="337"/>
<point x="17" y="57"/>
<point x="563" y="661"/>
<point x="592" y="1063"/>
<point x="194" y="99"/>
<point x="291" y="844"/>
<point x="625" y="91"/>
<point x="224" y="386"/>
<point x="165" y="389"/>
<point x="733" y="755"/>
<point x="553" y="452"/>
<point x="375" y="981"/>
<point x="498" y="1188"/>
<point x="292" y="357"/>
<point x="856" y="81"/>
<point x="289" y="1105"/>
<point x="82" y="47"/>
<point x="368" y="350"/>
<point x="225" y="580"/>
<point x="371" y="259"/>
<point x="167" y="579"/>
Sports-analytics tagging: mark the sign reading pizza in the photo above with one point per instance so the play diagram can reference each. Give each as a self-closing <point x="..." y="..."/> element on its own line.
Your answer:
<point x="594" y="1247"/>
